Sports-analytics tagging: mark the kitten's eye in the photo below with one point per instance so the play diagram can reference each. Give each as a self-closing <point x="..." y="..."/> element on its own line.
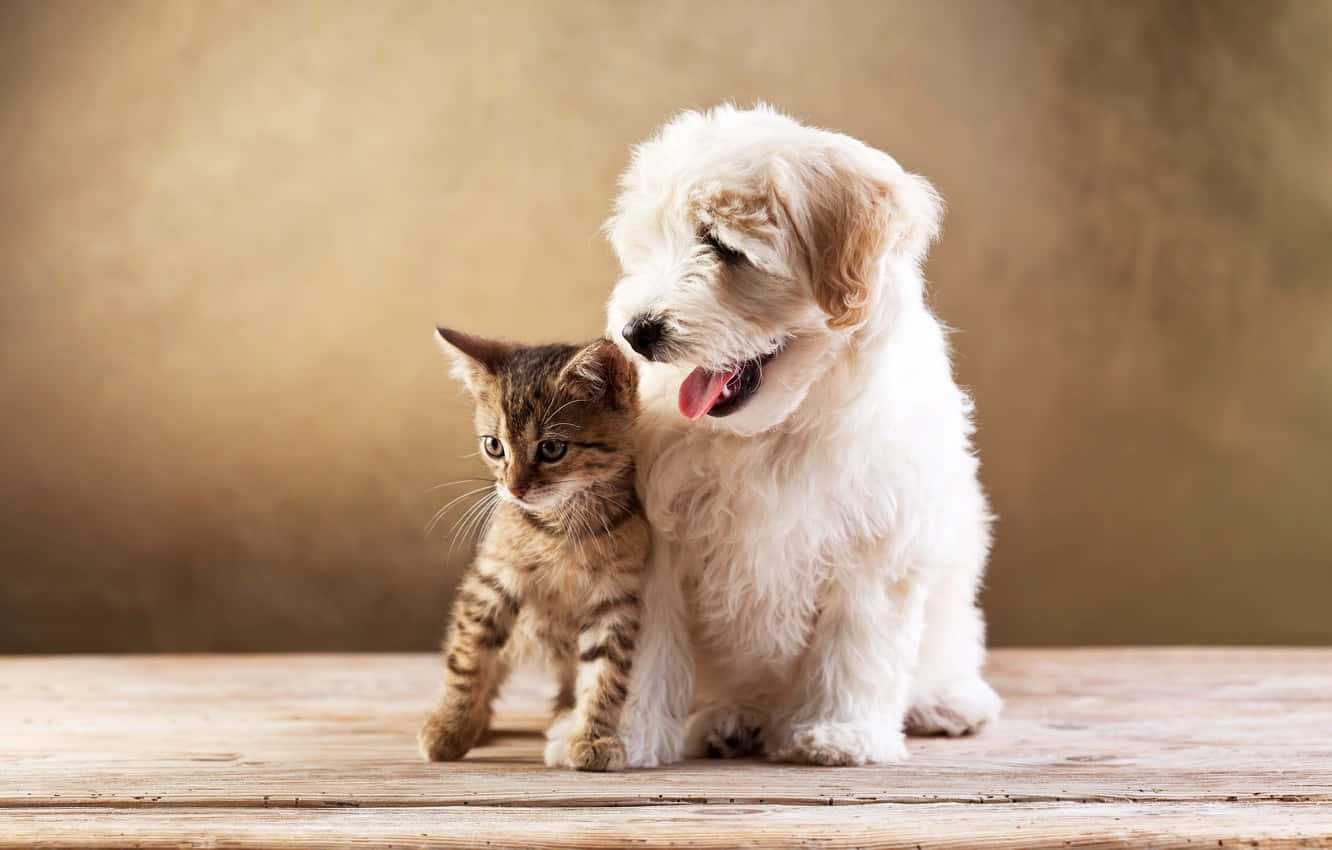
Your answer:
<point x="724" y="252"/>
<point x="552" y="450"/>
<point x="493" y="446"/>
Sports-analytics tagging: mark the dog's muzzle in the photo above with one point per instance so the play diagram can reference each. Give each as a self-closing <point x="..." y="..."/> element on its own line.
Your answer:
<point x="646" y="335"/>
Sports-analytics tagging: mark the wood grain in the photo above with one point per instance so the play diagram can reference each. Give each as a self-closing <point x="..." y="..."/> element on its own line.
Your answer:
<point x="955" y="826"/>
<point x="1136" y="746"/>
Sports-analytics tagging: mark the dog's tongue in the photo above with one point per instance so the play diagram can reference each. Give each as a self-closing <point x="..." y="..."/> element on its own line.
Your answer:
<point x="700" y="391"/>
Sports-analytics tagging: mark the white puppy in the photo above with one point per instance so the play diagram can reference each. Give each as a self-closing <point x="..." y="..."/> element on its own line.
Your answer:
<point x="805" y="459"/>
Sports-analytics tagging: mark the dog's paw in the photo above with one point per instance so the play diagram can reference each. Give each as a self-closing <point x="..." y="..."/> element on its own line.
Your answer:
<point x="962" y="708"/>
<point x="596" y="754"/>
<point x="446" y="738"/>
<point x="840" y="745"/>
<point x="724" y="731"/>
<point x="650" y="746"/>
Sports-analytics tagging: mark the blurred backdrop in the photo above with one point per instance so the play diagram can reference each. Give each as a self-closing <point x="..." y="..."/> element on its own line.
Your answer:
<point x="228" y="229"/>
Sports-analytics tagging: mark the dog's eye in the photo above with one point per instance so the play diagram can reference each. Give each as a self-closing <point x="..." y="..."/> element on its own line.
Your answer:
<point x="724" y="252"/>
<point x="493" y="446"/>
<point x="552" y="450"/>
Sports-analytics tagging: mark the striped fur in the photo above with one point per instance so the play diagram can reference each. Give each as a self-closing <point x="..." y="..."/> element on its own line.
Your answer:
<point x="557" y="576"/>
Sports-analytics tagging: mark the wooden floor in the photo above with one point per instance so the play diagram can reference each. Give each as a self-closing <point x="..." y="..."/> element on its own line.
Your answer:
<point x="1097" y="748"/>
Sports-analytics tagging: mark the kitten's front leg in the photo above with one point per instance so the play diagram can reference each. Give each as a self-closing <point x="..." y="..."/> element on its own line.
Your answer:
<point x="483" y="617"/>
<point x="605" y="647"/>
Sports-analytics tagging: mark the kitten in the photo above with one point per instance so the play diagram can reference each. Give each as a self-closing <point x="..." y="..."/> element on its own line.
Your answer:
<point x="559" y="569"/>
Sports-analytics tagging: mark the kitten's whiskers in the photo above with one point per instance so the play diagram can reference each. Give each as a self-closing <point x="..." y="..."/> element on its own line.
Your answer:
<point x="439" y="514"/>
<point x="455" y="483"/>
<point x="545" y="418"/>
<point x="465" y="524"/>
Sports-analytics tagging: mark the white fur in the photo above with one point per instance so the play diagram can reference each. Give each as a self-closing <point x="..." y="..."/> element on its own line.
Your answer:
<point x="818" y="552"/>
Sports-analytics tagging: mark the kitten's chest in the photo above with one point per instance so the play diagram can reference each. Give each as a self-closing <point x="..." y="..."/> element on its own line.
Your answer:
<point x="567" y="575"/>
<point x="560" y="585"/>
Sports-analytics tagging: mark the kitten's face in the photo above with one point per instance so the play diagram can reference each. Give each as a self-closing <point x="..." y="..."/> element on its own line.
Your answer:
<point x="551" y="420"/>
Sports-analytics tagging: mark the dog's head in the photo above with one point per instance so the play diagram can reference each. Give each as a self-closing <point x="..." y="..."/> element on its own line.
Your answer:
<point x="754" y="249"/>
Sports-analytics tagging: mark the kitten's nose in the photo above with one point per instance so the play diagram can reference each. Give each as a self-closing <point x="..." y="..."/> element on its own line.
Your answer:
<point x="645" y="335"/>
<point x="517" y="492"/>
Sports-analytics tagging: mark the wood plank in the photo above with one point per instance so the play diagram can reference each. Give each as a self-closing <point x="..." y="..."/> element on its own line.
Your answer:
<point x="928" y="825"/>
<point x="1132" y="725"/>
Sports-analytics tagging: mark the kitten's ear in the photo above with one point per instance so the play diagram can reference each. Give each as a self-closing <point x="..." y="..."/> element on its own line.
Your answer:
<point x="475" y="359"/>
<point x="601" y="370"/>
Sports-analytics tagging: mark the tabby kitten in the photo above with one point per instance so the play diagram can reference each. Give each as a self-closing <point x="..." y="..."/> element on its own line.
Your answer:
<point x="559" y="570"/>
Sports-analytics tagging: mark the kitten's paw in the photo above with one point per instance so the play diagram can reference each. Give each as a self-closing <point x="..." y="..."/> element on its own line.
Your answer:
<point x="597" y="754"/>
<point x="558" y="740"/>
<point x="840" y="745"/>
<point x="724" y="731"/>
<point x="962" y="708"/>
<point x="444" y="738"/>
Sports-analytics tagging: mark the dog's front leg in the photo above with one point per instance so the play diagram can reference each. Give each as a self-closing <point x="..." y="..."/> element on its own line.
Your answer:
<point x="854" y="682"/>
<point x="662" y="684"/>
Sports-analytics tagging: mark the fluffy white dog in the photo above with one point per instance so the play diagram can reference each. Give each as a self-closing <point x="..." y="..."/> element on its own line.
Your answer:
<point x="806" y="458"/>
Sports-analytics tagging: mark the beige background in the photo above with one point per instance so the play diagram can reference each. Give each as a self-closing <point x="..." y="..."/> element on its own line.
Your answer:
<point x="227" y="229"/>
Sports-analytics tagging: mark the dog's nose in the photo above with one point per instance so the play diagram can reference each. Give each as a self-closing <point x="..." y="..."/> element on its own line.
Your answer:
<point x="645" y="335"/>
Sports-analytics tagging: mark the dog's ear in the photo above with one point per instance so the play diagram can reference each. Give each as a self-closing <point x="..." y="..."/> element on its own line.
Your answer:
<point x="601" y="371"/>
<point x="475" y="360"/>
<point x="861" y="206"/>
